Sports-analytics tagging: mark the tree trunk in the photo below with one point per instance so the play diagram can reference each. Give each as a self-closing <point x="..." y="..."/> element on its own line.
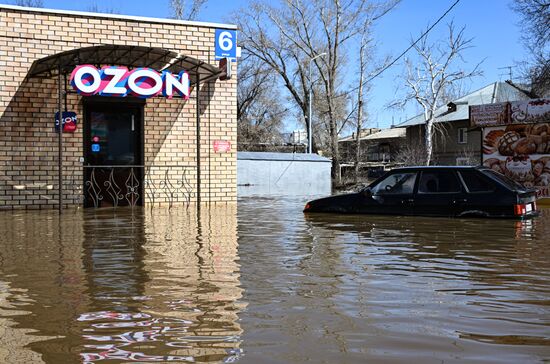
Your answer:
<point x="334" y="151"/>
<point x="429" y="141"/>
<point x="358" y="138"/>
<point x="358" y="135"/>
<point x="359" y="108"/>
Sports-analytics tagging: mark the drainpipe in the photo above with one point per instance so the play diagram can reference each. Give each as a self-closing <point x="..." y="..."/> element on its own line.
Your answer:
<point x="60" y="142"/>
<point x="198" y="141"/>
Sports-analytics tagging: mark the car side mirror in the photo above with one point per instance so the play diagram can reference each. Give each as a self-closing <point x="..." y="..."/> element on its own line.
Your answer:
<point x="367" y="192"/>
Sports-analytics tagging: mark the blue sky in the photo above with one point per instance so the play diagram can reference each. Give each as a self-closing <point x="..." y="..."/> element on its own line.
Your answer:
<point x="493" y="25"/>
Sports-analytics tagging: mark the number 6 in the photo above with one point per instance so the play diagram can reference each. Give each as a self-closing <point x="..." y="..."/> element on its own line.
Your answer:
<point x="225" y="41"/>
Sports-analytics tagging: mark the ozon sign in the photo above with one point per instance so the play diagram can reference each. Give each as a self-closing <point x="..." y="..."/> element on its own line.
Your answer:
<point x="117" y="81"/>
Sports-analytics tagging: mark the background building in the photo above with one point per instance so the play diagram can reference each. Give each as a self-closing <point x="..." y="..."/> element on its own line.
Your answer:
<point x="379" y="150"/>
<point x="455" y="143"/>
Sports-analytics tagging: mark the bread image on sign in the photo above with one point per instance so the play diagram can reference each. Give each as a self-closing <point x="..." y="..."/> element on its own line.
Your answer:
<point x="521" y="152"/>
<point x="518" y="140"/>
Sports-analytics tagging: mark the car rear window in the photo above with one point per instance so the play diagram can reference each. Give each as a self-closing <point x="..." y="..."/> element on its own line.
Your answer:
<point x="476" y="182"/>
<point x="508" y="182"/>
<point x="438" y="182"/>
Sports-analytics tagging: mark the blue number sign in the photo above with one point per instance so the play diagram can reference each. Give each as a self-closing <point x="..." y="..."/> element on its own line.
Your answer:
<point x="226" y="44"/>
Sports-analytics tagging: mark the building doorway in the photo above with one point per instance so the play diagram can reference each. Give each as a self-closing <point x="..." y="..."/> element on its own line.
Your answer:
<point x="113" y="154"/>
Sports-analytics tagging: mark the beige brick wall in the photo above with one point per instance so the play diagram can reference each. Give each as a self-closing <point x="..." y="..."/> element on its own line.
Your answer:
<point x="28" y="143"/>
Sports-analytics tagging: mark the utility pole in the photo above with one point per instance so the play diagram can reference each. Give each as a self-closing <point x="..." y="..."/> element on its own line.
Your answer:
<point x="310" y="117"/>
<point x="509" y="68"/>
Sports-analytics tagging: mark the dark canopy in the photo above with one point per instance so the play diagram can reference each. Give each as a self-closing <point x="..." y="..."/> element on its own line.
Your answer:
<point x="130" y="56"/>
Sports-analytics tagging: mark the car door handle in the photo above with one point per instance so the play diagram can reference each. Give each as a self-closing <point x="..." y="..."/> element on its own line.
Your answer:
<point x="407" y="201"/>
<point x="460" y="200"/>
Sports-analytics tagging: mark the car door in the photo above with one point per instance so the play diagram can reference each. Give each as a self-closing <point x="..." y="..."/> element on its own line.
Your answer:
<point x="392" y="195"/>
<point x="484" y="198"/>
<point x="439" y="193"/>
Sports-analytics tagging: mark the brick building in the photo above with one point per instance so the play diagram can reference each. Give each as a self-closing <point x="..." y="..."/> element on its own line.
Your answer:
<point x="124" y="150"/>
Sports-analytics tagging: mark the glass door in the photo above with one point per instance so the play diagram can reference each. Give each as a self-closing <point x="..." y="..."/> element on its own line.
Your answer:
<point x="113" y="155"/>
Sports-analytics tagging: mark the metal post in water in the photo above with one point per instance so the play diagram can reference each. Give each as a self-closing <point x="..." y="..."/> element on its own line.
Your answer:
<point x="60" y="142"/>
<point x="197" y="86"/>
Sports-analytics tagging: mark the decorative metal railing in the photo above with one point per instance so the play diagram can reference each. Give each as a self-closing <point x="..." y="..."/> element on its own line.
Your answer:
<point x="132" y="185"/>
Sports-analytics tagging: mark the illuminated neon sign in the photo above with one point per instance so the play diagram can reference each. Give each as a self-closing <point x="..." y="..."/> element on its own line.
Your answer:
<point x="117" y="81"/>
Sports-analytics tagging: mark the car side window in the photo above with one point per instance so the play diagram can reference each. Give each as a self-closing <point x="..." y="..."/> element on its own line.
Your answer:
<point x="396" y="184"/>
<point x="475" y="182"/>
<point x="438" y="182"/>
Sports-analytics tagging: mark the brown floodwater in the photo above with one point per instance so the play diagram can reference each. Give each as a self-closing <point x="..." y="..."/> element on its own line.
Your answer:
<point x="264" y="283"/>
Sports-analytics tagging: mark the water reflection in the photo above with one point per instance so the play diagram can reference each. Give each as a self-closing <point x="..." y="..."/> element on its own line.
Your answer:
<point x="120" y="286"/>
<point x="41" y="270"/>
<point x="344" y="288"/>
<point x="278" y="287"/>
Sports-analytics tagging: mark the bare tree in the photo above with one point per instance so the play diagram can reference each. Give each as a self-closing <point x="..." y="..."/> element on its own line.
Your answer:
<point x="183" y="10"/>
<point x="94" y="8"/>
<point x="253" y="82"/>
<point x="411" y="155"/>
<point x="364" y="59"/>
<point x="469" y="156"/>
<point x="432" y="75"/>
<point x="535" y="25"/>
<point x="30" y="3"/>
<point x="287" y="35"/>
<point x="259" y="111"/>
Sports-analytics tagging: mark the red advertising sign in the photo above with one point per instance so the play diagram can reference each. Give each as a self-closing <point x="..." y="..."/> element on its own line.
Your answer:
<point x="222" y="146"/>
<point x="514" y="112"/>
<point x="69" y="121"/>
<point x="490" y="114"/>
<point x="516" y="140"/>
<point x="521" y="152"/>
<point x="118" y="81"/>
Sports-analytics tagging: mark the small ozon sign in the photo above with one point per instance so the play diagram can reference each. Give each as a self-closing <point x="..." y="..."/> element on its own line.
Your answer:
<point x="117" y="81"/>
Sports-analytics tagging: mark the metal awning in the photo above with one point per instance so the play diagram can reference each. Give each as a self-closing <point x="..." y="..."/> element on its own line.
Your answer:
<point x="129" y="56"/>
<point x="61" y="64"/>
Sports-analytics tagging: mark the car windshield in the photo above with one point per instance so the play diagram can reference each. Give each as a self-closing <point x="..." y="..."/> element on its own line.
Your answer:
<point x="508" y="182"/>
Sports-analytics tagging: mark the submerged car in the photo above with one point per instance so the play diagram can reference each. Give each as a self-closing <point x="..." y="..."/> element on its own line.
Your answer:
<point x="436" y="191"/>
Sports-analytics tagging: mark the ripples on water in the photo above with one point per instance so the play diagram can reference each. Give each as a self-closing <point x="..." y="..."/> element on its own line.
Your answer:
<point x="148" y="286"/>
<point x="266" y="284"/>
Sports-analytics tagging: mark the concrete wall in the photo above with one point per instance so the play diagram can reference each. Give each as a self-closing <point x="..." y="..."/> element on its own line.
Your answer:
<point x="28" y="143"/>
<point x="282" y="174"/>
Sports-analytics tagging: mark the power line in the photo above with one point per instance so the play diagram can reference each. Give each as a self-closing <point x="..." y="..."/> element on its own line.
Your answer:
<point x="403" y="53"/>
<point x="388" y="65"/>
<point x="509" y="68"/>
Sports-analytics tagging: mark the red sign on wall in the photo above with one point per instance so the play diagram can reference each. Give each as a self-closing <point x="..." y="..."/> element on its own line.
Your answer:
<point x="222" y="146"/>
<point x="69" y="121"/>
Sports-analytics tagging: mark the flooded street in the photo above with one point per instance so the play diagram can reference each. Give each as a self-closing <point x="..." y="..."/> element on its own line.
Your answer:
<point x="262" y="283"/>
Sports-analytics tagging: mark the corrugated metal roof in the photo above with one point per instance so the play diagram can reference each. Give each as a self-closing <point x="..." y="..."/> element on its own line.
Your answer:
<point x="269" y="156"/>
<point x="387" y="134"/>
<point x="364" y="133"/>
<point x="495" y="92"/>
<point x="382" y="134"/>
